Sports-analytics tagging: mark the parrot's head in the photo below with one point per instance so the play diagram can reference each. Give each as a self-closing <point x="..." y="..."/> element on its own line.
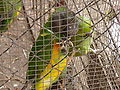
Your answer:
<point x="64" y="24"/>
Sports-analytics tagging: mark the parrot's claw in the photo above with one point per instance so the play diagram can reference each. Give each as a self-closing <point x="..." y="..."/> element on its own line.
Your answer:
<point x="66" y="45"/>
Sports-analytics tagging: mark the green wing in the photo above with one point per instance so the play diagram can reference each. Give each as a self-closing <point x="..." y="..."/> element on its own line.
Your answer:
<point x="84" y="37"/>
<point x="40" y="52"/>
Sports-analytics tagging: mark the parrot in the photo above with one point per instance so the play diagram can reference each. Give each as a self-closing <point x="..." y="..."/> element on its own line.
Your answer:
<point x="41" y="51"/>
<point x="84" y="37"/>
<point x="9" y="9"/>
<point x="82" y="42"/>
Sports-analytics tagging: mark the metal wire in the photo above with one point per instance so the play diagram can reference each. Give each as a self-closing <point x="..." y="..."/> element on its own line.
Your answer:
<point x="97" y="70"/>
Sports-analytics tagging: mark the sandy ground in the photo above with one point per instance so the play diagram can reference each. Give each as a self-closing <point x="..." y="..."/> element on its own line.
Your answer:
<point x="14" y="51"/>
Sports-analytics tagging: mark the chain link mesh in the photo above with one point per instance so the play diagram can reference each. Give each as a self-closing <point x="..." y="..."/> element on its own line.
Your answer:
<point x="94" y="71"/>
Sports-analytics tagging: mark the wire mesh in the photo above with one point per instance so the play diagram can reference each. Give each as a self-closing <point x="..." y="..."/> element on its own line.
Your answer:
<point x="42" y="49"/>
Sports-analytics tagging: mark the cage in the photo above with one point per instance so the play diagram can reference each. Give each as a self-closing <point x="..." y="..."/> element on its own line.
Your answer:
<point x="59" y="45"/>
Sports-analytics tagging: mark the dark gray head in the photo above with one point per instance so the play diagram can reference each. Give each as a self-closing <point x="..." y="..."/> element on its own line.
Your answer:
<point x="64" y="23"/>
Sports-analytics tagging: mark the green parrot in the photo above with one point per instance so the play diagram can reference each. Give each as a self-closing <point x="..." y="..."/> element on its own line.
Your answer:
<point x="9" y="9"/>
<point x="83" y="38"/>
<point x="82" y="42"/>
<point x="41" y="52"/>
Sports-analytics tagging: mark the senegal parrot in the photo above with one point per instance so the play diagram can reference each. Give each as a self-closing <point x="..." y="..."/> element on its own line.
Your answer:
<point x="9" y="9"/>
<point x="42" y="52"/>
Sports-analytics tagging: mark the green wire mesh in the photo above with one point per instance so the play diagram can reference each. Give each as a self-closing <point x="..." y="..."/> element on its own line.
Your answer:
<point x="94" y="71"/>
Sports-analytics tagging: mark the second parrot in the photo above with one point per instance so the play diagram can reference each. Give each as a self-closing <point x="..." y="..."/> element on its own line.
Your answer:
<point x="9" y="9"/>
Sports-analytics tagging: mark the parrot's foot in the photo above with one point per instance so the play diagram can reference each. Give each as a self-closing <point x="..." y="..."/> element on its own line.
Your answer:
<point x="65" y="45"/>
